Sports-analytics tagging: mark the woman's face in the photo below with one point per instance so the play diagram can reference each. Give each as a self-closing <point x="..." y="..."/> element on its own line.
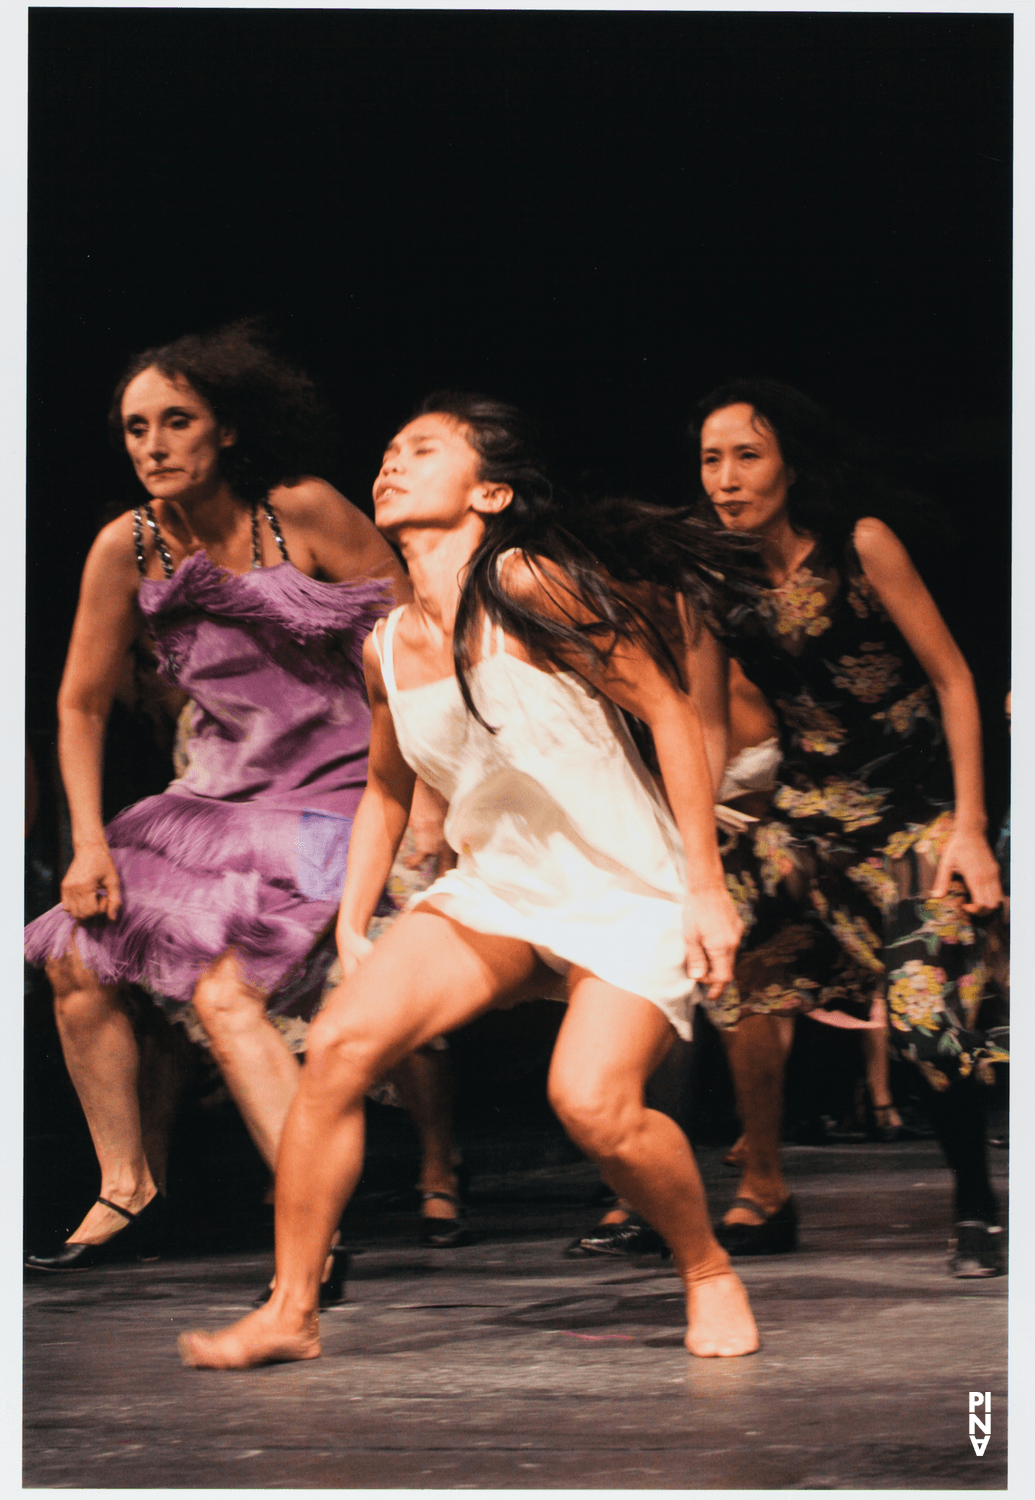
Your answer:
<point x="742" y="469"/>
<point x="430" y="477"/>
<point x="172" y="436"/>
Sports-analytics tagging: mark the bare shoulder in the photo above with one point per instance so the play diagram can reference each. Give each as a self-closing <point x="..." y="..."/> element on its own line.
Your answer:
<point x="539" y="584"/>
<point x="372" y="667"/>
<point x="114" y="550"/>
<point x="312" y="502"/>
<point x="876" y="544"/>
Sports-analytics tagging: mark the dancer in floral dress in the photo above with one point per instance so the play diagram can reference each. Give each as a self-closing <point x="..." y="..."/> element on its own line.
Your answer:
<point x="861" y="887"/>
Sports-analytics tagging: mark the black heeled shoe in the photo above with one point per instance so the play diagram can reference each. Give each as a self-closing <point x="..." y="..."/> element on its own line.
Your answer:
<point x="445" y="1234"/>
<point x="777" y="1233"/>
<point x="332" y="1291"/>
<point x="631" y="1236"/>
<point x="140" y="1239"/>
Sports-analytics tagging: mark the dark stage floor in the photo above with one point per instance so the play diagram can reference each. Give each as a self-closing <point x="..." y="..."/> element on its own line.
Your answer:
<point x="502" y="1365"/>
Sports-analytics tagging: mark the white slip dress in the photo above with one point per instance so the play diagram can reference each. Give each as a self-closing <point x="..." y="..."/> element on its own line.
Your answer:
<point x="563" y="839"/>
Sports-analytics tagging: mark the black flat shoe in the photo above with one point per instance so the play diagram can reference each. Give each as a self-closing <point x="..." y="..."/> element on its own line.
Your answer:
<point x="332" y="1291"/>
<point x="777" y="1233"/>
<point x="631" y="1236"/>
<point x="140" y="1239"/>
<point x="445" y="1234"/>
<point x="978" y="1251"/>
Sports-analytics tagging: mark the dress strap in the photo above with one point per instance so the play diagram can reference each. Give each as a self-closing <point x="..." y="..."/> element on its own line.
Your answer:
<point x="384" y="648"/>
<point x="274" y="527"/>
<point x="141" y="513"/>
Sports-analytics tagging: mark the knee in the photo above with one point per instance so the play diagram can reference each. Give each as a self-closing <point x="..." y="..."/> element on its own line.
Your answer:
<point x="224" y="1005"/>
<point x="597" y="1119"/>
<point x="80" y="1001"/>
<point x="340" y="1057"/>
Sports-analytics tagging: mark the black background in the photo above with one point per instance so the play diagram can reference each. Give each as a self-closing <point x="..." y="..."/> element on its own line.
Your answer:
<point x="595" y="214"/>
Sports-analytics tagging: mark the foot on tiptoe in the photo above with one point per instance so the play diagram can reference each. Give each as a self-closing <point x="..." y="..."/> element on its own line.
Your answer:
<point x="262" y="1338"/>
<point x="720" y="1323"/>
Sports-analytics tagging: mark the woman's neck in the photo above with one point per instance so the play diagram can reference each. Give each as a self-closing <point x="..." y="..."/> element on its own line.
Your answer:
<point x="207" y="520"/>
<point x="784" y="550"/>
<point x="437" y="561"/>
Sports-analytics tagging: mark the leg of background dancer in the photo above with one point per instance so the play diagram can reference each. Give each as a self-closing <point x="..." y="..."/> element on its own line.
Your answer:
<point x="609" y="1044"/>
<point x="165" y="1061"/>
<point x="874" y="1045"/>
<point x="102" y="1058"/>
<point x="259" y="1069"/>
<point x="757" y="1049"/>
<point x="959" y="1116"/>
<point x="426" y="976"/>
<point x="425" y="1084"/>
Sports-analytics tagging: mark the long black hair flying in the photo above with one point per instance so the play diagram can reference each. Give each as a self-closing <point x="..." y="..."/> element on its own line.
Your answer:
<point x="642" y="548"/>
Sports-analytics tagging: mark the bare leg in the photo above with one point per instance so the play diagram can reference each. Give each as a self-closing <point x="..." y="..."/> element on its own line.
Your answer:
<point x="164" y="1067"/>
<point x="878" y="1076"/>
<point x="255" y="1061"/>
<point x="757" y="1050"/>
<point x="424" y="1081"/>
<point x="425" y="976"/>
<point x="102" y="1058"/>
<point x="609" y="1044"/>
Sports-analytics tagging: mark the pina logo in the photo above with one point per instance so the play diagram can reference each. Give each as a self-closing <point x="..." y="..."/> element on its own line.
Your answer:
<point x="980" y="1398"/>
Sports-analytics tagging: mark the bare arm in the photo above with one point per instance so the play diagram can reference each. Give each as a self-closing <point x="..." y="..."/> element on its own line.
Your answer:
<point x="327" y="536"/>
<point x="379" y="824"/>
<point x="901" y="590"/>
<point x="707" y="672"/>
<point x="101" y="635"/>
<point x="634" y="681"/>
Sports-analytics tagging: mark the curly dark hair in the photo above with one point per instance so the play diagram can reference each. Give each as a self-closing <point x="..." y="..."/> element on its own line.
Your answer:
<point x="272" y="407"/>
<point x="617" y="540"/>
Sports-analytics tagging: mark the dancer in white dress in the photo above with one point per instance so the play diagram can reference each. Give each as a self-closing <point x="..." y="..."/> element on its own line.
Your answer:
<point x="572" y="863"/>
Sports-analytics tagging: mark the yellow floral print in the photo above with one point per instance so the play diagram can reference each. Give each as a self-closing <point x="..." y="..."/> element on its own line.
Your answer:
<point x="799" y="604"/>
<point x="945" y="922"/>
<point x="852" y="803"/>
<point x="743" y="893"/>
<point x="934" y="836"/>
<point x="901" y="842"/>
<point x="878" y="883"/>
<point x="869" y="676"/>
<point x="938" y="1080"/>
<point x="864" y="599"/>
<point x="915" y="997"/>
<point x="904" y="715"/>
<point x="858" y="938"/>
<point x="971" y="987"/>
<point x="772" y="843"/>
<point x="816" y="730"/>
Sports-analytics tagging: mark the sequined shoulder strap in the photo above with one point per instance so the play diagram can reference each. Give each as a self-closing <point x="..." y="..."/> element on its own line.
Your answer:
<point x="274" y="527"/>
<point x="141" y="513"/>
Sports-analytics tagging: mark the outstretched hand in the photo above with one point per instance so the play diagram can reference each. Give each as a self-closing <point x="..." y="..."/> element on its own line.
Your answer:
<point x="712" y="930"/>
<point x="969" y="856"/>
<point x="91" y="884"/>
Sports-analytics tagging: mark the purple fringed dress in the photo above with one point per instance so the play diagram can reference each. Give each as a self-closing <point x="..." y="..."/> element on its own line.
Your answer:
<point x="247" y="850"/>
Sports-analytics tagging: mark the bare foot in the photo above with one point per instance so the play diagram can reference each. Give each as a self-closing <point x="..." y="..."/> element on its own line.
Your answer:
<point x="720" y="1319"/>
<point x="262" y="1338"/>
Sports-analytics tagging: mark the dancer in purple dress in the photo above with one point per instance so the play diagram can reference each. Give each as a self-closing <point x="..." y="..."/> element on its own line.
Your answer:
<point x="257" y="588"/>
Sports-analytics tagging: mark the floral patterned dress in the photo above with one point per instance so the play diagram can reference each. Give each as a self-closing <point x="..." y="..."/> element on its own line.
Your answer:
<point x="832" y="885"/>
